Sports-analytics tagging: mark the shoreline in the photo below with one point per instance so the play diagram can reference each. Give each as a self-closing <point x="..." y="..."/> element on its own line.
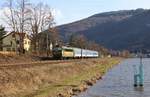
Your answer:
<point x="54" y="80"/>
<point x="85" y="84"/>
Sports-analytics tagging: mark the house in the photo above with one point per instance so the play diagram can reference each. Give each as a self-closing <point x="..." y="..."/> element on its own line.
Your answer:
<point x="10" y="42"/>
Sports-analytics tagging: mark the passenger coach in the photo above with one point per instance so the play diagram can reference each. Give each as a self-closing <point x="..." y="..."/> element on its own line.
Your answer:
<point x="65" y="52"/>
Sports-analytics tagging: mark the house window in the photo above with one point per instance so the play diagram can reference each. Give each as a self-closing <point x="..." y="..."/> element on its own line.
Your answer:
<point x="8" y="49"/>
<point x="25" y="42"/>
<point x="17" y="41"/>
<point x="13" y="49"/>
<point x="28" y="42"/>
<point x="11" y="43"/>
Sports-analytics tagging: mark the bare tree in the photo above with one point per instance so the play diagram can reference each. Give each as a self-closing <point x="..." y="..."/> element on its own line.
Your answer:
<point x="2" y="33"/>
<point x="93" y="46"/>
<point x="17" y="17"/>
<point x="81" y="42"/>
<point x="24" y="17"/>
<point x="10" y="15"/>
<point x="40" y="19"/>
<point x="78" y="41"/>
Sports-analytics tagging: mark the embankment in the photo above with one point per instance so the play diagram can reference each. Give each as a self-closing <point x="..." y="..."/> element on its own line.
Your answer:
<point x="54" y="80"/>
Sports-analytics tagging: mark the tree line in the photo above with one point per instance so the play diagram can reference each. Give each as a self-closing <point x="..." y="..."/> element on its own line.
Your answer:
<point x="79" y="40"/>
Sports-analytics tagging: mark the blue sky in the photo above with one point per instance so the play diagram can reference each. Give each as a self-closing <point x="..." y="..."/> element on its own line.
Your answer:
<point x="67" y="11"/>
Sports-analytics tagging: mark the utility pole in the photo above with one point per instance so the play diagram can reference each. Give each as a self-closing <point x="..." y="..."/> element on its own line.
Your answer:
<point x="47" y="46"/>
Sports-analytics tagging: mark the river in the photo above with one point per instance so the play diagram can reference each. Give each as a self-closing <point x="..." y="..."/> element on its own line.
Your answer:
<point x="118" y="82"/>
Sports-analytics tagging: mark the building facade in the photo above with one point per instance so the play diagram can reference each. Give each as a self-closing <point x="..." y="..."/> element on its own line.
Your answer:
<point x="10" y="42"/>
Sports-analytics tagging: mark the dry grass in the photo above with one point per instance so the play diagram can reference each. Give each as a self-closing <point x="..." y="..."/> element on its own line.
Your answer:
<point x="49" y="80"/>
<point x="10" y="58"/>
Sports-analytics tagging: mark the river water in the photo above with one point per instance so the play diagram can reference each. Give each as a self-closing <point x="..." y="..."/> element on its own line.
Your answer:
<point x="118" y="82"/>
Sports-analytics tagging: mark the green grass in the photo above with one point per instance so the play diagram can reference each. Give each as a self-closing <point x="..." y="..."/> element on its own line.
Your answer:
<point x="74" y="80"/>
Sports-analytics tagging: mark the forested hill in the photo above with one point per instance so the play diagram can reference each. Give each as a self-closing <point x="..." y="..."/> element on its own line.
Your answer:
<point x="125" y="29"/>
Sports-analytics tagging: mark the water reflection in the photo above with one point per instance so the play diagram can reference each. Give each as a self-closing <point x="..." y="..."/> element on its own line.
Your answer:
<point x="118" y="82"/>
<point x="140" y="89"/>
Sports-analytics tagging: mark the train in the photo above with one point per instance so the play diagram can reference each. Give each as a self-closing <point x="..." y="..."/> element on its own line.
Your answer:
<point x="65" y="52"/>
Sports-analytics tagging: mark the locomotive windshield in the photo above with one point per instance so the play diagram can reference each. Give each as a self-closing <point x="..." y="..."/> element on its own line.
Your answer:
<point x="57" y="49"/>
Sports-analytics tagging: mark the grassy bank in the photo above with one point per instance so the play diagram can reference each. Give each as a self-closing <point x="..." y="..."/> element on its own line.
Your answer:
<point x="53" y="80"/>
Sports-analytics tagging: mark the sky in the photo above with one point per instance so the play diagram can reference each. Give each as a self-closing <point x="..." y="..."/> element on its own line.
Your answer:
<point x="67" y="11"/>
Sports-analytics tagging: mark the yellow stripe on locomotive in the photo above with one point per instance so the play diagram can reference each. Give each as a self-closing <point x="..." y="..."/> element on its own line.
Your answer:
<point x="67" y="53"/>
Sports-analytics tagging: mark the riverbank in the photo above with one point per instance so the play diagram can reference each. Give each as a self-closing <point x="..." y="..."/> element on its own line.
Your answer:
<point x="54" y="80"/>
<point x="88" y="77"/>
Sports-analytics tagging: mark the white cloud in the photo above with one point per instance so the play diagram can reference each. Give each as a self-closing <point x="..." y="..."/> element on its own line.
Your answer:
<point x="3" y="18"/>
<point x="57" y="14"/>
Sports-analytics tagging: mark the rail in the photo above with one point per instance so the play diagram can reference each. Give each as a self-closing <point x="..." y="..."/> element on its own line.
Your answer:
<point x="37" y="63"/>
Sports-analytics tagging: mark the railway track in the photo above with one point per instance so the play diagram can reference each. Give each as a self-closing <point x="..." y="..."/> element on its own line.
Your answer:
<point x="37" y="63"/>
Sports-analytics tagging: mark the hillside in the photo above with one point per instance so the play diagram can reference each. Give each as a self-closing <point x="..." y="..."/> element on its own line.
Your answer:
<point x="126" y="29"/>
